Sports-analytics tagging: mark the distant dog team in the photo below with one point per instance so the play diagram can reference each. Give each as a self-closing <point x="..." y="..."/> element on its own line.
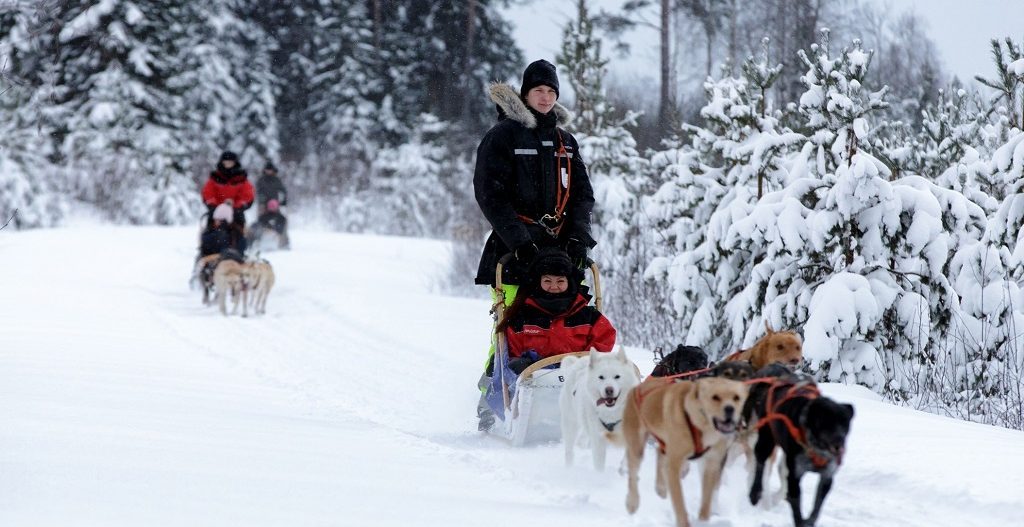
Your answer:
<point x="224" y="277"/>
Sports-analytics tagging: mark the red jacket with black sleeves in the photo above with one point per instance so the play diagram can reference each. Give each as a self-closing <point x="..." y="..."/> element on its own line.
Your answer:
<point x="579" y="328"/>
<point x="228" y="184"/>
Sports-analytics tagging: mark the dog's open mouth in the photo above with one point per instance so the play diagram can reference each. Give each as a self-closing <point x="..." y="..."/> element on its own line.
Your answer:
<point x="724" y="426"/>
<point x="607" y="401"/>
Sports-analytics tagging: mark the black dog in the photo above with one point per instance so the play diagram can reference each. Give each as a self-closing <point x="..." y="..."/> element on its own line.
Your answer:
<point x="684" y="359"/>
<point x="736" y="370"/>
<point x="810" y="429"/>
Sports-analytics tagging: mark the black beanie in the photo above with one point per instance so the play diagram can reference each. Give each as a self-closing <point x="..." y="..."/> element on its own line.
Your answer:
<point x="552" y="261"/>
<point x="539" y="73"/>
<point x="228" y="155"/>
<point x="270" y="166"/>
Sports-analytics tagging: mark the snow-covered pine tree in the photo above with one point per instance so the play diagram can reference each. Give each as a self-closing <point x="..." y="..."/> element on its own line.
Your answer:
<point x="115" y="116"/>
<point x="618" y="174"/>
<point x="736" y="155"/>
<point x="1008" y="82"/>
<point x="29" y="181"/>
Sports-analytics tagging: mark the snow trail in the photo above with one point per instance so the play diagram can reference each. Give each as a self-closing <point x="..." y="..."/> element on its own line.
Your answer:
<point x="123" y="401"/>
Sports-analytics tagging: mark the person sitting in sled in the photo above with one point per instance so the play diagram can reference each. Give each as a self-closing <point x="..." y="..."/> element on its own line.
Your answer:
<point x="551" y="315"/>
<point x="271" y="218"/>
<point x="222" y="232"/>
<point x="269" y="187"/>
<point x="229" y="182"/>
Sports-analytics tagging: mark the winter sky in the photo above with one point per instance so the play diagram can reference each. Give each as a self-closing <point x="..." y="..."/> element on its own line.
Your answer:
<point x="961" y="29"/>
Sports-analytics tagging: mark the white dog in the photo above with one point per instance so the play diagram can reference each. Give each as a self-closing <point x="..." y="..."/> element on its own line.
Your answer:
<point x="592" y="401"/>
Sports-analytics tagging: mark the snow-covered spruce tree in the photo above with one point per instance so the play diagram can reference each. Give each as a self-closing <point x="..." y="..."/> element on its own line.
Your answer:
<point x="118" y="116"/>
<point x="29" y="181"/>
<point x="735" y="157"/>
<point x="977" y="374"/>
<point x="227" y="87"/>
<point x="853" y="259"/>
<point x="618" y="174"/>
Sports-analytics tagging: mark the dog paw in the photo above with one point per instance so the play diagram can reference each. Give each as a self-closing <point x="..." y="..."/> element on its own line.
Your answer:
<point x="632" y="502"/>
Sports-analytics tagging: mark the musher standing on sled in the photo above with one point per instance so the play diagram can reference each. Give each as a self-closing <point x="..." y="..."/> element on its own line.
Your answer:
<point x="229" y="181"/>
<point x="531" y="185"/>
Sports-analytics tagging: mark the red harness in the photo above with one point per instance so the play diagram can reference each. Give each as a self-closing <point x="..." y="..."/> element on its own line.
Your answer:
<point x="695" y="433"/>
<point x="799" y="390"/>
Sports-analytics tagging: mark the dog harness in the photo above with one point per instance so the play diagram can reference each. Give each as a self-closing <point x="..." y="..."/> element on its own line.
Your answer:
<point x="799" y="390"/>
<point x="734" y="356"/>
<point x="698" y="444"/>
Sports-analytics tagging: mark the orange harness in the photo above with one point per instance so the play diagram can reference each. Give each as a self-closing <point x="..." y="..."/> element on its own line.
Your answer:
<point x="553" y="222"/>
<point x="800" y="390"/>
<point x="698" y="443"/>
<point x="734" y="356"/>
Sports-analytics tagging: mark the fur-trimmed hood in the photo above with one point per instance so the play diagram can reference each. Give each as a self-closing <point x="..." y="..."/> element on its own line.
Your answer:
<point x="511" y="105"/>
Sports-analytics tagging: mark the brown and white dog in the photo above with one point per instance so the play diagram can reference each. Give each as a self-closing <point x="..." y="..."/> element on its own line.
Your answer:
<point x="776" y="346"/>
<point x="259" y="278"/>
<point x="228" y="278"/>
<point x="689" y="419"/>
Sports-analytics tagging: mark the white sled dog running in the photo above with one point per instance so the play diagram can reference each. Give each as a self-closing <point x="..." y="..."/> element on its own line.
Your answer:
<point x="592" y="401"/>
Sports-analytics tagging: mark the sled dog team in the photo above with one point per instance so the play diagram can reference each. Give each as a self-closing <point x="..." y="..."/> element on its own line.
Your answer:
<point x="753" y="404"/>
<point x="246" y="282"/>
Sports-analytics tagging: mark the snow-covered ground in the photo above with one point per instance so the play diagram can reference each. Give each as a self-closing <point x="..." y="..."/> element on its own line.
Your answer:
<point x="124" y="402"/>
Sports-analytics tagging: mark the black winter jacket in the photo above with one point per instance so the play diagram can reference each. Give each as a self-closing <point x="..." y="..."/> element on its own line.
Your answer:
<point x="270" y="187"/>
<point x="516" y="175"/>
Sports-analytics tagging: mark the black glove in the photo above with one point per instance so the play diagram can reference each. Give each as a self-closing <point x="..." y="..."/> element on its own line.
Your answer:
<point x="526" y="252"/>
<point x="577" y="252"/>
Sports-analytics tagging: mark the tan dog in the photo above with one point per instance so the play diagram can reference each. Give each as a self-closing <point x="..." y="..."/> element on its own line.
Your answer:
<point x="227" y="278"/>
<point x="775" y="346"/>
<point x="688" y="419"/>
<point x="259" y="277"/>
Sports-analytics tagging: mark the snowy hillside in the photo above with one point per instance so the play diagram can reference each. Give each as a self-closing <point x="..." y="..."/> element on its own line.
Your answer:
<point x="123" y="402"/>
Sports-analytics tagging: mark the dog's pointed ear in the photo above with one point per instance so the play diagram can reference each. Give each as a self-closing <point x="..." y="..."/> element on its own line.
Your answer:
<point x="768" y="327"/>
<point x="593" y="356"/>
<point x="621" y="355"/>
<point x="849" y="410"/>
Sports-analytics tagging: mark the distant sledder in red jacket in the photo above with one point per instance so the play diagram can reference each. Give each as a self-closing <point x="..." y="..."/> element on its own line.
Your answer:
<point x="551" y="316"/>
<point x="229" y="182"/>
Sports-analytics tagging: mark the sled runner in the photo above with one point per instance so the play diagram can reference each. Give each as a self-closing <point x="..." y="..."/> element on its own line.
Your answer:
<point x="526" y="405"/>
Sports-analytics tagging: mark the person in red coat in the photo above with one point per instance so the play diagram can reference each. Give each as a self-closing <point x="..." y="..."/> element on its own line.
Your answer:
<point x="229" y="182"/>
<point x="553" y="316"/>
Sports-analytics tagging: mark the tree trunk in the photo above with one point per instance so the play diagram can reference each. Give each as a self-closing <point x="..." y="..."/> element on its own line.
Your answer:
<point x="377" y="18"/>
<point x="467" y="64"/>
<point x="665" y="104"/>
<point x="709" y="32"/>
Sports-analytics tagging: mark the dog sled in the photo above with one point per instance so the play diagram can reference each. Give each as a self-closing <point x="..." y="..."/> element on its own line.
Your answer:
<point x="526" y="405"/>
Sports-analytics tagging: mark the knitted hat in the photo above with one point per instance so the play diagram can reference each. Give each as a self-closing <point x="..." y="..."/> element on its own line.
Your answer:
<point x="539" y="73"/>
<point x="223" y="212"/>
<point x="550" y="261"/>
<point x="269" y="167"/>
<point x="228" y="155"/>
